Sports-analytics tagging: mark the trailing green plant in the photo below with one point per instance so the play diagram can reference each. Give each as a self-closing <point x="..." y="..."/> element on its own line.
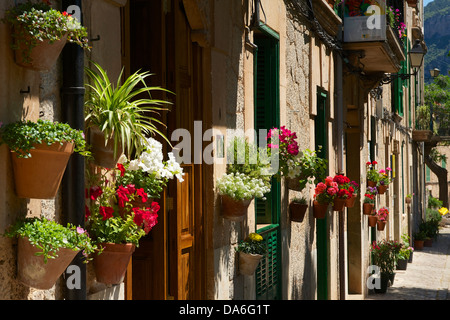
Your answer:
<point x="253" y="244"/>
<point x="312" y="168"/>
<point x="36" y="22"/>
<point x="120" y="112"/>
<point x="21" y="136"/>
<point x="50" y="236"/>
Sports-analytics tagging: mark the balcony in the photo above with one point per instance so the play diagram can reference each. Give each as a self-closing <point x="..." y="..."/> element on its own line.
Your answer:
<point x="378" y="47"/>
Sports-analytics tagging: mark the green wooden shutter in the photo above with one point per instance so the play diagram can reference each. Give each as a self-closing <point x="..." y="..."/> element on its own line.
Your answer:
<point x="321" y="136"/>
<point x="267" y="116"/>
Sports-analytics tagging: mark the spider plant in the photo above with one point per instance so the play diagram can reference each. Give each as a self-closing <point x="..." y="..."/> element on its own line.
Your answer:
<point x="119" y="111"/>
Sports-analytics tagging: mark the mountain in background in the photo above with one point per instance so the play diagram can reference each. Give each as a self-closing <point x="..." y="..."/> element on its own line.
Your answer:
<point x="437" y="37"/>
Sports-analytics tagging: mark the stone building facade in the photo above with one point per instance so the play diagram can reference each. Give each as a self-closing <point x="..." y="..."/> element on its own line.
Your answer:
<point x="206" y="52"/>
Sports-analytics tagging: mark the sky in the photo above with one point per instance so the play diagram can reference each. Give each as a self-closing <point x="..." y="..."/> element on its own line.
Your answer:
<point x="425" y="2"/>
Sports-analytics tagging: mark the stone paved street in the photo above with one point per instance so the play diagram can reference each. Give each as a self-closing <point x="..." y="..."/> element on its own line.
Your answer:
<point x="427" y="277"/>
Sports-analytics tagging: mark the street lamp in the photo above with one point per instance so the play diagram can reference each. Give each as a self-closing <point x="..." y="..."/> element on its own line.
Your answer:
<point x="434" y="72"/>
<point x="415" y="55"/>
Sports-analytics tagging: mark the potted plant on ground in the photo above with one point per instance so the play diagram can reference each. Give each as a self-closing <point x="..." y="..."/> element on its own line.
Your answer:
<point x="39" y="34"/>
<point x="46" y="248"/>
<point x="383" y="257"/>
<point x="251" y="251"/>
<point x="297" y="209"/>
<point x="116" y="234"/>
<point x="118" y="116"/>
<point x="419" y="238"/>
<point x="244" y="180"/>
<point x="40" y="152"/>
<point x="324" y="193"/>
<point x="369" y="200"/>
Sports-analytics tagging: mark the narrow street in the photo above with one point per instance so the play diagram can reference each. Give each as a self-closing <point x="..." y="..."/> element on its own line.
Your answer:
<point x="427" y="277"/>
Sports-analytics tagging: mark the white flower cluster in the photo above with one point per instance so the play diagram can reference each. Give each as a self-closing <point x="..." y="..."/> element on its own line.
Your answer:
<point x="242" y="187"/>
<point x="152" y="161"/>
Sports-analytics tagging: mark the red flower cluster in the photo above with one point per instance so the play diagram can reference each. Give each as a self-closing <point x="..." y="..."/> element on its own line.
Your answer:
<point x="146" y="217"/>
<point x="346" y="187"/>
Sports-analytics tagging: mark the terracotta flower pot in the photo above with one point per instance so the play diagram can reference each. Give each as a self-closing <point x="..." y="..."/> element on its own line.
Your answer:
<point x="338" y="204"/>
<point x="367" y="208"/>
<point x="33" y="272"/>
<point x="380" y="225"/>
<point x="418" y="244"/>
<point x="297" y="211"/>
<point x="320" y="210"/>
<point x="372" y="221"/>
<point x="408" y="200"/>
<point x="371" y="184"/>
<point x="111" y="265"/>
<point x="248" y="263"/>
<point x="350" y="202"/>
<point x="103" y="154"/>
<point x="382" y="189"/>
<point x="42" y="57"/>
<point x="234" y="210"/>
<point x="40" y="176"/>
<point x="293" y="184"/>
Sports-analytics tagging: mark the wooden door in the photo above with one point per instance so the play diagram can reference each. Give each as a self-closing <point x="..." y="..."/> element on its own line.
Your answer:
<point x="169" y="262"/>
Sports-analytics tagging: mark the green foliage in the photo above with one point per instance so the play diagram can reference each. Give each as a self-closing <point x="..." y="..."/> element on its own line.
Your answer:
<point x="36" y="22"/>
<point x="244" y="157"/>
<point x="385" y="254"/>
<point x="116" y="230"/>
<point x="301" y="200"/>
<point x="434" y="203"/>
<point x="49" y="236"/>
<point x="312" y="168"/>
<point x="423" y="117"/>
<point x="430" y="227"/>
<point x="21" y="136"/>
<point x="420" y="235"/>
<point x="119" y="112"/>
<point x="253" y="244"/>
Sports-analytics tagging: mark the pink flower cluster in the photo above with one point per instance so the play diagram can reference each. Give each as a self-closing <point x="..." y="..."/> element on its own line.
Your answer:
<point x="288" y="145"/>
<point x="326" y="191"/>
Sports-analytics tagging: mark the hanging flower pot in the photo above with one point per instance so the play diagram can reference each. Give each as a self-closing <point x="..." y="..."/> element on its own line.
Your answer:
<point x="233" y="209"/>
<point x="40" y="175"/>
<point x="297" y="211"/>
<point x="372" y="220"/>
<point x="248" y="263"/>
<point x="111" y="264"/>
<point x="103" y="152"/>
<point x="34" y="272"/>
<point x="350" y="202"/>
<point x="338" y="204"/>
<point x="293" y="184"/>
<point x="380" y="225"/>
<point x="42" y="57"/>
<point x="382" y="189"/>
<point x="320" y="209"/>
<point x="367" y="208"/>
<point x="408" y="200"/>
<point x="371" y="184"/>
<point x="39" y="152"/>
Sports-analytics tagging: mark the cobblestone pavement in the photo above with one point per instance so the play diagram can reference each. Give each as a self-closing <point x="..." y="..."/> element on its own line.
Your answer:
<point x="427" y="277"/>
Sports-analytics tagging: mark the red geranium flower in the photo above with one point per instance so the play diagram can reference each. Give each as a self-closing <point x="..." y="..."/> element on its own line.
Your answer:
<point x="121" y="168"/>
<point x="106" y="212"/>
<point x="95" y="192"/>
